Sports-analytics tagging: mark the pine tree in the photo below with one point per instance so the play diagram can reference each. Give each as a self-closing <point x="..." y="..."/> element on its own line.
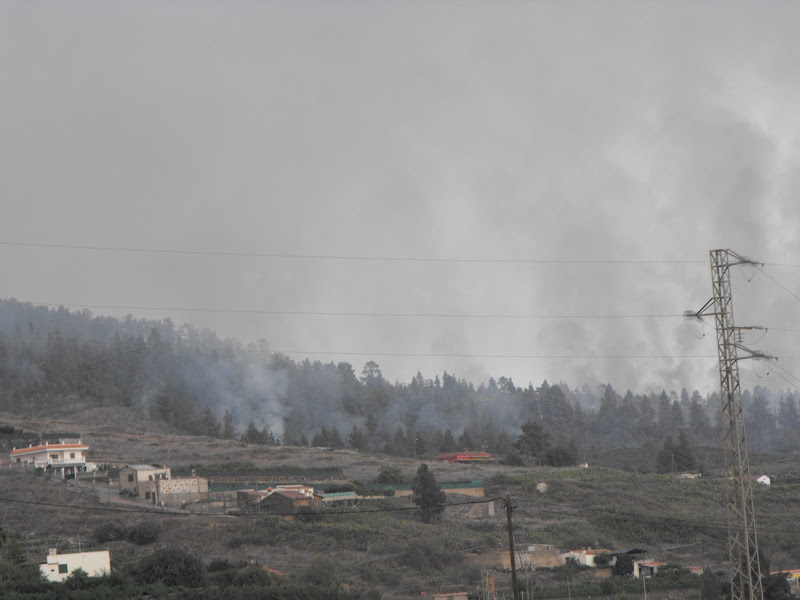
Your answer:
<point x="228" y="432"/>
<point x="14" y="552"/>
<point x="533" y="440"/>
<point x="371" y="433"/>
<point x="398" y="444"/>
<point x="252" y="435"/>
<point x="322" y="439"/>
<point x="428" y="494"/>
<point x="335" y="438"/>
<point x="665" y="460"/>
<point x="357" y="440"/>
<point x="684" y="458"/>
<point x="420" y="446"/>
<point x="210" y="423"/>
<point x="465" y="440"/>
<point x="448" y="442"/>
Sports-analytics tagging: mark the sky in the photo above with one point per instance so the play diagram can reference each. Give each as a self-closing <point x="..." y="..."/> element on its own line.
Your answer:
<point x="511" y="161"/>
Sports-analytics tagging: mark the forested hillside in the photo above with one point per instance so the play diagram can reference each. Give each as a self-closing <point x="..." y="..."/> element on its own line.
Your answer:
<point x="197" y="383"/>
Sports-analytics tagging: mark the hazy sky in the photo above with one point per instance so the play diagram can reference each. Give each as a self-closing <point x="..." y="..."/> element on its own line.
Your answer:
<point x="509" y="131"/>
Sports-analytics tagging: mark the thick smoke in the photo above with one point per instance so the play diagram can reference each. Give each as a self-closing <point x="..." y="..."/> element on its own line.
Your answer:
<point x="244" y="385"/>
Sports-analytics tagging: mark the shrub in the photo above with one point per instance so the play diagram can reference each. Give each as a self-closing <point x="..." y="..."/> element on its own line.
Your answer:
<point x="78" y="580"/>
<point x="512" y="459"/>
<point x="306" y="514"/>
<point x="429" y="556"/>
<point x="322" y="571"/>
<point x="623" y="566"/>
<point x="602" y="560"/>
<point x="144" y="533"/>
<point x="172" y="567"/>
<point x="110" y="532"/>
<point x="223" y="564"/>
<point x="252" y="575"/>
<point x="390" y="476"/>
<point x="560" y="456"/>
<point x="606" y="587"/>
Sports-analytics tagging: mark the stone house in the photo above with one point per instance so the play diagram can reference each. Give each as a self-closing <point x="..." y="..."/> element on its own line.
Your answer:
<point x="156" y="485"/>
<point x="177" y="491"/>
<point x="131" y="477"/>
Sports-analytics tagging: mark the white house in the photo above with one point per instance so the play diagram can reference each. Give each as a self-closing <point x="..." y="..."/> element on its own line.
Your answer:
<point x="59" y="566"/>
<point x="764" y="479"/>
<point x="586" y="556"/>
<point x="67" y="458"/>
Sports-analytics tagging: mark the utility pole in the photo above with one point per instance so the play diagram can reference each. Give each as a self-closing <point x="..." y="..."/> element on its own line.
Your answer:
<point x="509" y="508"/>
<point x="742" y="538"/>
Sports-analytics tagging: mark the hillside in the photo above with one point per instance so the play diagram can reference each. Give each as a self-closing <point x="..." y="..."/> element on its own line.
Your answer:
<point x="56" y="363"/>
<point x="676" y="521"/>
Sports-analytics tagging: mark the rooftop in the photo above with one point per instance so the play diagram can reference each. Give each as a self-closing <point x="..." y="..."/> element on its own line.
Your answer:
<point x="47" y="447"/>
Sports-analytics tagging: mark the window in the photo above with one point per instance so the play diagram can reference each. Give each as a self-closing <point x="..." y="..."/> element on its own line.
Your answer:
<point x="63" y="569"/>
<point x="150" y="477"/>
<point x="54" y="456"/>
<point x="72" y="455"/>
<point x="147" y="495"/>
<point x="130" y="477"/>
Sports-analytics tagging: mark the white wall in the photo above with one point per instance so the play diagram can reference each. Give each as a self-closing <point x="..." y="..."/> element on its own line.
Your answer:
<point x="59" y="566"/>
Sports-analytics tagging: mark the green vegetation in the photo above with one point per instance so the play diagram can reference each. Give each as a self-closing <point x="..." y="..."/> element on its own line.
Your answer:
<point x="390" y="476"/>
<point x="428" y="494"/>
<point x="174" y="574"/>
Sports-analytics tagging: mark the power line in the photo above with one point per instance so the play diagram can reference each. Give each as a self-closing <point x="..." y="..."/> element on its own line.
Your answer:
<point x="786" y="380"/>
<point x="615" y="514"/>
<point x="780" y="285"/>
<point x="351" y="257"/>
<point x="531" y="356"/>
<point x="650" y="519"/>
<point x="380" y="314"/>
<point x="324" y="313"/>
<point x="163" y="513"/>
<point x="359" y="257"/>
<point x="787" y="373"/>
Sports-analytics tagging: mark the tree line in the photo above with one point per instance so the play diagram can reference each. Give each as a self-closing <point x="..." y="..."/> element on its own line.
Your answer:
<point x="196" y="383"/>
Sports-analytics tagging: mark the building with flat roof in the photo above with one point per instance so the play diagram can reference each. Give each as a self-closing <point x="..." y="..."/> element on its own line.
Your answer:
<point x="58" y="567"/>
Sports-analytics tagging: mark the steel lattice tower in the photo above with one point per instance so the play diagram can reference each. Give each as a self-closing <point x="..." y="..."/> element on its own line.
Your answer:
<point x="742" y="539"/>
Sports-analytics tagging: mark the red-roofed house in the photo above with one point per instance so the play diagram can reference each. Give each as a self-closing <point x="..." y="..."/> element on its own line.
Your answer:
<point x="282" y="499"/>
<point x="66" y="458"/>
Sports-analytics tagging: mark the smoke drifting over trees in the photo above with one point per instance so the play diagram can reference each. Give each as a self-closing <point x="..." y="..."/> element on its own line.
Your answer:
<point x="199" y="384"/>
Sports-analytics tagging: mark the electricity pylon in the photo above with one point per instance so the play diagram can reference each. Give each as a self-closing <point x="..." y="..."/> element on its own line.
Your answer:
<point x="742" y="538"/>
